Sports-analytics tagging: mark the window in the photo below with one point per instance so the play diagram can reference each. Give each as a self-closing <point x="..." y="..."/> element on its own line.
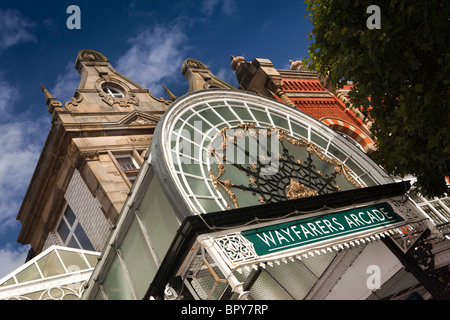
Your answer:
<point x="129" y="165"/>
<point x="72" y="233"/>
<point x="126" y="162"/>
<point x="113" y="92"/>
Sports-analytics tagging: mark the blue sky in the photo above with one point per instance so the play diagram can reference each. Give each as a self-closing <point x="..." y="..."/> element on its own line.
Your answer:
<point x="145" y="40"/>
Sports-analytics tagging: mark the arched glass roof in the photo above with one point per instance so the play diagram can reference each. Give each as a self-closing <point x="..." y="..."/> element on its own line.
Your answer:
<point x="214" y="150"/>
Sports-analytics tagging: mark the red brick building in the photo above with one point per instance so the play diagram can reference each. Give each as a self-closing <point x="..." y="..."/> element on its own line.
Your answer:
<point x="304" y="90"/>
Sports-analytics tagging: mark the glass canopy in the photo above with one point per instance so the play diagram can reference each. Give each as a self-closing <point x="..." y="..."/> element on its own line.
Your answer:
<point x="57" y="273"/>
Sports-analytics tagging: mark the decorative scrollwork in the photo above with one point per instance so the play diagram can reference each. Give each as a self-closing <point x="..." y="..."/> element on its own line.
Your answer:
<point x="422" y="253"/>
<point x="91" y="56"/>
<point x="405" y="210"/>
<point x="236" y="248"/>
<point x="65" y="292"/>
<point x="294" y="178"/>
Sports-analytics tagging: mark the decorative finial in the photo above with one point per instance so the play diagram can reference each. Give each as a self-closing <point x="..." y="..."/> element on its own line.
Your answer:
<point x="296" y="65"/>
<point x="236" y="61"/>
<point x="170" y="94"/>
<point x="50" y="100"/>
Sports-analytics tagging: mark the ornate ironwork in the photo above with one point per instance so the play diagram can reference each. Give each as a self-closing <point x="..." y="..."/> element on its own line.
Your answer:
<point x="236" y="247"/>
<point x="422" y="253"/>
<point x="293" y="179"/>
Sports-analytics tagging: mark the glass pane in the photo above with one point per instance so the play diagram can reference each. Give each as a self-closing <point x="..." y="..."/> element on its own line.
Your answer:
<point x="266" y="288"/>
<point x="73" y="260"/>
<point x="198" y="187"/>
<point x="300" y="130"/>
<point x="8" y="282"/>
<point x="200" y="107"/>
<point x="192" y="168"/>
<point x="63" y="230"/>
<point x="50" y="265"/>
<point x="70" y="297"/>
<point x="354" y="167"/>
<point x="116" y="285"/>
<point x="83" y="238"/>
<point x="318" y="140"/>
<point x="70" y="216"/>
<point x="138" y="259"/>
<point x="227" y="114"/>
<point x="92" y="260"/>
<point x="243" y="114"/>
<point x="73" y="243"/>
<point x="368" y="180"/>
<point x="28" y="274"/>
<point x="197" y="122"/>
<point x="211" y="116"/>
<point x="185" y="116"/>
<point x="126" y="163"/>
<point x="318" y="264"/>
<point x="33" y="295"/>
<point x="338" y="154"/>
<point x="210" y="205"/>
<point x="294" y="278"/>
<point x="280" y="122"/>
<point x="158" y="218"/>
<point x="261" y="116"/>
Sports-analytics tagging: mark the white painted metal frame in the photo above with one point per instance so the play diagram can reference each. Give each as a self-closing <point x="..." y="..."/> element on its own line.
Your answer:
<point x="68" y="279"/>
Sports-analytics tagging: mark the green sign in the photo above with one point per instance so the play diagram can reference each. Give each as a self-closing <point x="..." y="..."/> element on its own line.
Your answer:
<point x="288" y="235"/>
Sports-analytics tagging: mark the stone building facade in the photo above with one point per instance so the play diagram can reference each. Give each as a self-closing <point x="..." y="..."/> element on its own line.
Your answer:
<point x="93" y="152"/>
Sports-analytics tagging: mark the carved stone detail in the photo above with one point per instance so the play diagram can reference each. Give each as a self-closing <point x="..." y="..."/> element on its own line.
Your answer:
<point x="125" y="102"/>
<point x="74" y="101"/>
<point x="194" y="64"/>
<point x="141" y="121"/>
<point x="80" y="158"/>
<point x="92" y="56"/>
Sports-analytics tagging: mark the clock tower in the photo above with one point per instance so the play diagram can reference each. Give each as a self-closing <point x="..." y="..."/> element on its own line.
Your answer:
<point x="90" y="159"/>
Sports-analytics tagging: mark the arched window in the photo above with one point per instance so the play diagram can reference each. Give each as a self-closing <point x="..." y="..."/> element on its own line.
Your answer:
<point x="113" y="92"/>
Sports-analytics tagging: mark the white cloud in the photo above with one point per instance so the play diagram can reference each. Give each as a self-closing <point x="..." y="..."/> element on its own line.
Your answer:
<point x="155" y="55"/>
<point x="21" y="144"/>
<point x="15" y="28"/>
<point x="66" y="83"/>
<point x="208" y="6"/>
<point x="11" y="258"/>
<point x="8" y="94"/>
<point x="227" y="75"/>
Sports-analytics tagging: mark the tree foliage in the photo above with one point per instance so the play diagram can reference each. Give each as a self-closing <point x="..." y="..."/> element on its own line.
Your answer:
<point x="401" y="78"/>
